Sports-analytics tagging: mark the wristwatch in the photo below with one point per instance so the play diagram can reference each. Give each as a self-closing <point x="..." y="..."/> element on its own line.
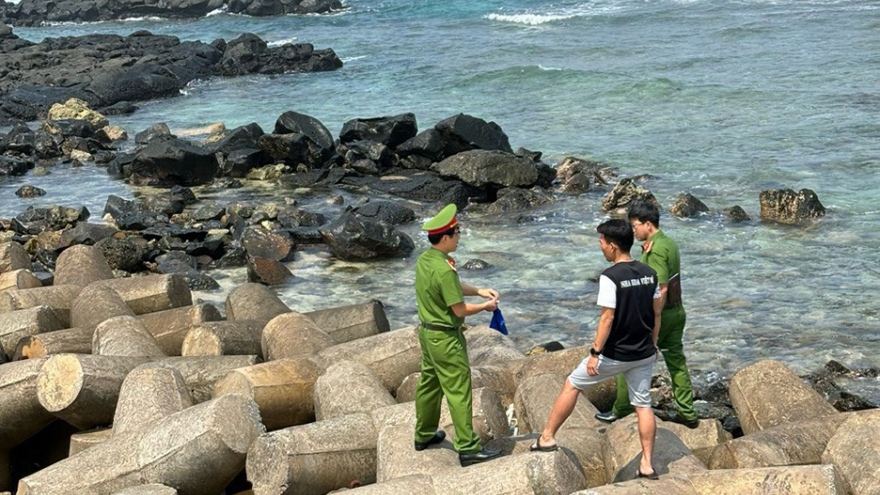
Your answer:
<point x="594" y="352"/>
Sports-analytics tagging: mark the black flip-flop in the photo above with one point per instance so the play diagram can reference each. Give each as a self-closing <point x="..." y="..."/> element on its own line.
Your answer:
<point x="537" y="447"/>
<point x="652" y="476"/>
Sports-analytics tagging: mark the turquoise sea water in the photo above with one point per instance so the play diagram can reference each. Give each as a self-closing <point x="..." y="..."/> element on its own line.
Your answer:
<point x="721" y="99"/>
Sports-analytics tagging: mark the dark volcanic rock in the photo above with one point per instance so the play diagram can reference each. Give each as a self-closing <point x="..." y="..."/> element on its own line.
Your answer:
<point x="464" y="132"/>
<point x="126" y="254"/>
<point x="14" y="166"/>
<point x="36" y="12"/>
<point x="90" y="233"/>
<point x="261" y="243"/>
<point x="736" y="214"/>
<point x="481" y="168"/>
<point x="515" y="199"/>
<point x="267" y="272"/>
<point x="106" y="69"/>
<point x="788" y="207"/>
<point x="156" y="130"/>
<point x="353" y="238"/>
<point x="421" y="186"/>
<point x="390" y="131"/>
<point x="429" y="144"/>
<point x="293" y="122"/>
<point x="170" y="161"/>
<point x="386" y="211"/>
<point x="36" y="220"/>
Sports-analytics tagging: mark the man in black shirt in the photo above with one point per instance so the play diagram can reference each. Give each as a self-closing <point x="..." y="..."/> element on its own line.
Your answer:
<point x="626" y="341"/>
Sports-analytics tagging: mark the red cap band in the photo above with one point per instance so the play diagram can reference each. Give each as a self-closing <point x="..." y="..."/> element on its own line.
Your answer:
<point x="452" y="223"/>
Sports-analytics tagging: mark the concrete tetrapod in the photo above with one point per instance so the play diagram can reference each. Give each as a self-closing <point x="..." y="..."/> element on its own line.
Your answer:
<point x="292" y="334"/>
<point x="149" y="394"/>
<point x="855" y="451"/>
<point x="283" y="390"/>
<point x="489" y="347"/>
<point x="151" y="293"/>
<point x="348" y="387"/>
<point x="13" y="257"/>
<point x="202" y="373"/>
<point x="151" y="489"/>
<point x="197" y="450"/>
<point x="392" y="356"/>
<point x="94" y="304"/>
<point x="19" y="279"/>
<point x="253" y="302"/>
<point x="169" y="327"/>
<point x="555" y="473"/>
<point x="562" y="363"/>
<point x="87" y="439"/>
<point x="768" y="394"/>
<point x="219" y="338"/>
<point x="83" y="389"/>
<point x="622" y="451"/>
<point x="81" y="265"/>
<point x="124" y="336"/>
<point x="23" y="323"/>
<point x="21" y="414"/>
<point x="788" y="480"/>
<point x="57" y="297"/>
<point x="65" y="341"/>
<point x="407" y="485"/>
<point x="498" y="378"/>
<point x="355" y="321"/>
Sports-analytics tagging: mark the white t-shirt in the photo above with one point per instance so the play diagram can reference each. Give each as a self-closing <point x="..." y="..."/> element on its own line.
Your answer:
<point x="608" y="293"/>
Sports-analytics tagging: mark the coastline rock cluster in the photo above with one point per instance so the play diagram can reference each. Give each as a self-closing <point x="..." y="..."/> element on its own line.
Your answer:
<point x="126" y="386"/>
<point x="109" y="71"/>
<point x="39" y="12"/>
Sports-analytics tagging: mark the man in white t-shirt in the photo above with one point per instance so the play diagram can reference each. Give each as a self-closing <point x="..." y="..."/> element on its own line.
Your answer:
<point x="626" y="341"/>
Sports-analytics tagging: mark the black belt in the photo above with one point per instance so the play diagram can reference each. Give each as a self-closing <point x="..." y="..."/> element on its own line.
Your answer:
<point x="439" y="328"/>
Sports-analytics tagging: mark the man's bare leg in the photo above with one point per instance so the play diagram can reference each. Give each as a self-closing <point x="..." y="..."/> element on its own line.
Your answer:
<point x="562" y="408"/>
<point x="647" y="431"/>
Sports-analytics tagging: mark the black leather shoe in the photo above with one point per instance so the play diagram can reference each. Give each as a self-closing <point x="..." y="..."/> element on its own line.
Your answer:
<point x="437" y="438"/>
<point x="477" y="457"/>
<point x="692" y="424"/>
<point x="606" y="417"/>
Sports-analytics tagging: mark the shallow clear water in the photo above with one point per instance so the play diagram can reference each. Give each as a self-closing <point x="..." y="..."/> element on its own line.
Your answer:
<point x="721" y="99"/>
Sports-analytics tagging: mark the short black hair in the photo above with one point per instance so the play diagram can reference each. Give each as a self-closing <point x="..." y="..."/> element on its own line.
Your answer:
<point x="436" y="238"/>
<point x="618" y="232"/>
<point x="644" y="210"/>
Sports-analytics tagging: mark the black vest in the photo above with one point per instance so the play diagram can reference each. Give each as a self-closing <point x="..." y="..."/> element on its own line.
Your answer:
<point x="631" y="333"/>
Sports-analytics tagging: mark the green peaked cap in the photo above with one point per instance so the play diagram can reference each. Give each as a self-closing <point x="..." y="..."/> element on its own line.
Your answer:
<point x="441" y="219"/>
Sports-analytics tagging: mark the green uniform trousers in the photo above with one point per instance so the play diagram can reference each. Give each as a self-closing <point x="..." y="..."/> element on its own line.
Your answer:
<point x="446" y="370"/>
<point x="670" y="344"/>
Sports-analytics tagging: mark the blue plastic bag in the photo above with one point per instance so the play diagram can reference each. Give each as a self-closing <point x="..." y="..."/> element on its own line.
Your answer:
<point x="497" y="322"/>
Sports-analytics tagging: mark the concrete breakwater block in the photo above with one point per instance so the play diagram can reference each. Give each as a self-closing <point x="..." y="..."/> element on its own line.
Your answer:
<point x="21" y="414"/>
<point x="201" y="373"/>
<point x="855" y="451"/>
<point x="498" y="378"/>
<point x="407" y="485"/>
<point x="148" y="395"/>
<point x="83" y="389"/>
<point x="395" y="457"/>
<point x="150" y="489"/>
<point x="253" y="302"/>
<point x="392" y="356"/>
<point x="348" y="387"/>
<point x="768" y="394"/>
<point x="555" y="473"/>
<point x="57" y="297"/>
<point x="197" y="450"/>
<point x="668" y="485"/>
<point x="80" y="265"/>
<point x="94" y="304"/>
<point x="802" y="442"/>
<point x="351" y="322"/>
<point x="219" y="338"/>
<point x="151" y="293"/>
<point x="19" y="279"/>
<point x="17" y="325"/>
<point x="283" y="389"/>
<point x="87" y="439"/>
<point x="64" y="341"/>
<point x="789" y="480"/>
<point x="13" y="257"/>
<point x="562" y="363"/>
<point x="169" y="327"/>
<point x="124" y="336"/>
<point x="487" y="347"/>
<point x="622" y="451"/>
<point x="293" y="334"/>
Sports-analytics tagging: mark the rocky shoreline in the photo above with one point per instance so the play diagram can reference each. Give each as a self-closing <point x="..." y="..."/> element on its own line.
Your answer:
<point x="110" y="72"/>
<point x="40" y="12"/>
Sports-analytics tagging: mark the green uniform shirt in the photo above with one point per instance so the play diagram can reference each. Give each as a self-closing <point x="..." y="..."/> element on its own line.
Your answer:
<point x="437" y="288"/>
<point x="661" y="253"/>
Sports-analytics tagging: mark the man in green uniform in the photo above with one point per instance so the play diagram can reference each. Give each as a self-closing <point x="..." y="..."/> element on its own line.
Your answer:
<point x="446" y="370"/>
<point x="661" y="253"/>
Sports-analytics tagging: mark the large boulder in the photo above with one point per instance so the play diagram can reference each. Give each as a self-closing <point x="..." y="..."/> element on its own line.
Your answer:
<point x="688" y="206"/>
<point x="386" y="211"/>
<point x="625" y="192"/>
<point x="464" y="132"/>
<point x="788" y="207"/>
<point x="76" y="109"/>
<point x="390" y="131"/>
<point x="352" y="238"/>
<point x="36" y="220"/>
<point x="481" y="168"/>
<point x="292" y="122"/>
<point x="171" y="161"/>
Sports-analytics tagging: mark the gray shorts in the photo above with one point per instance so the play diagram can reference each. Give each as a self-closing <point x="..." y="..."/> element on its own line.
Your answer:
<point x="638" y="377"/>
